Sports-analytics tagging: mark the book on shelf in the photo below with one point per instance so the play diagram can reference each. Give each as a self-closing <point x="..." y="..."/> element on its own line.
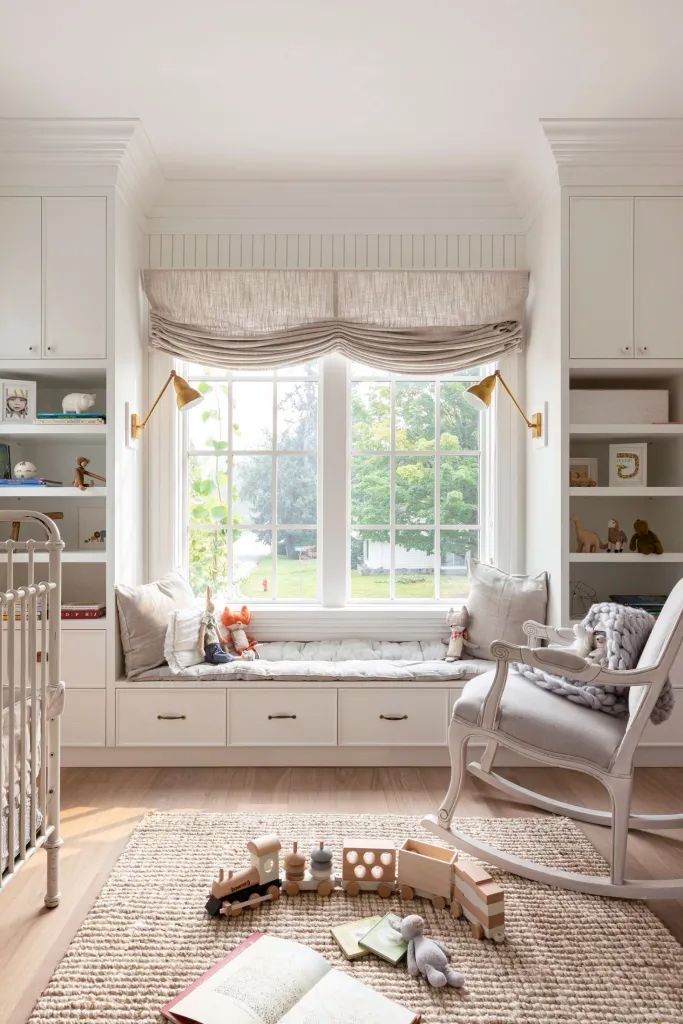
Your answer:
<point x="36" y="481"/>
<point x="70" y="417"/>
<point x="83" y="611"/>
<point x="268" y="980"/>
<point x="348" y="934"/>
<point x="384" y="941"/>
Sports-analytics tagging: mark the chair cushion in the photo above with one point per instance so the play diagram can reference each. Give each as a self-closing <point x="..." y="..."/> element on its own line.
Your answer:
<point x="541" y="719"/>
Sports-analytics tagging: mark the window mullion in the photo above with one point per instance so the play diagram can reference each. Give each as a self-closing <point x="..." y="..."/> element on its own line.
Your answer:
<point x="392" y="490"/>
<point x="273" y="496"/>
<point x="231" y="519"/>
<point x="335" y="473"/>
<point x="437" y="490"/>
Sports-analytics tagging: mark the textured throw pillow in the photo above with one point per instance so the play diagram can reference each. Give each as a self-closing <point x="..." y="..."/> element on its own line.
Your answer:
<point x="181" y="648"/>
<point x="498" y="605"/>
<point x="143" y="619"/>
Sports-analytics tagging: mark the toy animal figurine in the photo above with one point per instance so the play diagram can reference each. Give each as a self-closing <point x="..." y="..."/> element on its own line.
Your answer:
<point x="77" y="402"/>
<point x="616" y="538"/>
<point x="209" y="638"/>
<point x="587" y="541"/>
<point x="583" y="643"/>
<point x="25" y="471"/>
<point x="427" y="956"/>
<point x="598" y="656"/>
<point x="579" y="478"/>
<point x="458" y="621"/>
<point x="644" y="540"/>
<point x="81" y="471"/>
<point x="234" y="622"/>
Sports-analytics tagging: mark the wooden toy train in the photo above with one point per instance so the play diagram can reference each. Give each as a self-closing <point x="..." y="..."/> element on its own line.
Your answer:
<point x="416" y="869"/>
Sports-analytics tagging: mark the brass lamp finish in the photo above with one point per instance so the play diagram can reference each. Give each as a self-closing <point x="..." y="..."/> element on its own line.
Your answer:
<point x="480" y="395"/>
<point x="186" y="397"/>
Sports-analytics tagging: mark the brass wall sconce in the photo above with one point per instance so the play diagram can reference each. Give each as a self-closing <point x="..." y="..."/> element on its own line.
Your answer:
<point x="186" y="398"/>
<point x="479" y="397"/>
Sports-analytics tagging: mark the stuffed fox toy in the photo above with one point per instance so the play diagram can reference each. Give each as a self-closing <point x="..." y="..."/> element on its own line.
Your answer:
<point x="234" y="623"/>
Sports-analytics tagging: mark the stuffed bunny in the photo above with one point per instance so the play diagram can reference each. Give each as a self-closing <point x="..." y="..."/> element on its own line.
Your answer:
<point x="458" y="621"/>
<point x="427" y="956"/>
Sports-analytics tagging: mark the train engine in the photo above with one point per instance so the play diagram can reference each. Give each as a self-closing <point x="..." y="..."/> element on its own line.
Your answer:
<point x="231" y="893"/>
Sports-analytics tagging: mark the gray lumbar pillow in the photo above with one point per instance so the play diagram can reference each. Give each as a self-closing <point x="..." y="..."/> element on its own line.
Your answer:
<point x="498" y="605"/>
<point x="143" y="619"/>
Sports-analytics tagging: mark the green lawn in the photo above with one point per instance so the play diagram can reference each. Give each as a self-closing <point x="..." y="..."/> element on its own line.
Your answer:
<point x="298" y="579"/>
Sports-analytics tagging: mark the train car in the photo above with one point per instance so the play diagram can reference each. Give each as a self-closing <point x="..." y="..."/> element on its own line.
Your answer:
<point x="481" y="900"/>
<point x="317" y="877"/>
<point x="426" y="870"/>
<point x="232" y="893"/>
<point x="367" y="866"/>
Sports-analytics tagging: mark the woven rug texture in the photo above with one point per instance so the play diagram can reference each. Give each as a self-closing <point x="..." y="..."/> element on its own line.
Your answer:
<point x="568" y="958"/>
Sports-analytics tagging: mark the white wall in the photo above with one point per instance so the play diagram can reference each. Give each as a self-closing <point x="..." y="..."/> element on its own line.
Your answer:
<point x="544" y="507"/>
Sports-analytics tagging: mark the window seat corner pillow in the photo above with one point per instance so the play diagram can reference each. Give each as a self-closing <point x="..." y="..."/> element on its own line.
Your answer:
<point x="143" y="619"/>
<point x="182" y="649"/>
<point x="499" y="604"/>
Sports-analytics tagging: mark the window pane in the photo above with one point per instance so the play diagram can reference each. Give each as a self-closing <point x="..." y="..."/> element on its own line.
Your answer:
<point x="252" y="563"/>
<point x="370" y="489"/>
<point x="208" y="421"/>
<point x="252" y="477"/>
<point x="300" y="370"/>
<point x="414" y="489"/>
<point x="459" y="421"/>
<point x="460" y="489"/>
<point x="455" y="546"/>
<point x="208" y="490"/>
<point x="297" y="416"/>
<point x="414" y="561"/>
<point x="370" y="564"/>
<point x="208" y="560"/>
<point x="414" y="416"/>
<point x="297" y="563"/>
<point x="370" y="417"/>
<point x="252" y="414"/>
<point x="296" y="489"/>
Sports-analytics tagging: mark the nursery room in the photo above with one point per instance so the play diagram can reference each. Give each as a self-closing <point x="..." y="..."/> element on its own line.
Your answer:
<point x="341" y="512"/>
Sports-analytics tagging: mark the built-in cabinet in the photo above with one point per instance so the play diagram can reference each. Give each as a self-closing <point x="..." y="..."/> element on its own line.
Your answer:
<point x="53" y="277"/>
<point x="625" y="273"/>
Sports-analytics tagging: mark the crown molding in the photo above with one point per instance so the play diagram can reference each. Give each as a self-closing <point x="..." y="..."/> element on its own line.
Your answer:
<point x="649" y="150"/>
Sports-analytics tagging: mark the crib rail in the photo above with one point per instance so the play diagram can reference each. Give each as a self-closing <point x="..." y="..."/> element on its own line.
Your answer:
<point x="30" y="679"/>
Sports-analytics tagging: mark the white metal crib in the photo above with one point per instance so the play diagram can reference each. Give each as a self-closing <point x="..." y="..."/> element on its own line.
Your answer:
<point x="32" y="697"/>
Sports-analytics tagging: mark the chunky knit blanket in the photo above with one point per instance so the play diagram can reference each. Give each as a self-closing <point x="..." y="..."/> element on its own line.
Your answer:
<point x="627" y="630"/>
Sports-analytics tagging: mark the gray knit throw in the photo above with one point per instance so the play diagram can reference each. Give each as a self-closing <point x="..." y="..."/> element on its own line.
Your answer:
<point x="627" y="630"/>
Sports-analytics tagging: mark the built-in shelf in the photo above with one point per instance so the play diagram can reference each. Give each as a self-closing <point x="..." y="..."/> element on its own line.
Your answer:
<point x="626" y="556"/>
<point x="626" y="492"/>
<point x="626" y="430"/>
<point x="52" y="492"/>
<point x="91" y="432"/>
<point x="67" y="556"/>
<point x="625" y="369"/>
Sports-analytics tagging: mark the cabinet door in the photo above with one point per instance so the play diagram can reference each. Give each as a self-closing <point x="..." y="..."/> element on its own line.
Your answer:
<point x="658" y="278"/>
<point x="20" y="277"/>
<point x="75" y="260"/>
<point x="601" y="278"/>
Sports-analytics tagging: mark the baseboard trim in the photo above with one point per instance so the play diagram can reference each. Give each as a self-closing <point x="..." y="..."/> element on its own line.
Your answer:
<point x="649" y="755"/>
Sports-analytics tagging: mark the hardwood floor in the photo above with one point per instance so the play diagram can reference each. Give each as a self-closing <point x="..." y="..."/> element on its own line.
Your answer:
<point x="102" y="806"/>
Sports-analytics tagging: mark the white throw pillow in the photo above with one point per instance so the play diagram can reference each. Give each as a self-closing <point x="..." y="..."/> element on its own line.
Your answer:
<point x="143" y="618"/>
<point x="498" y="605"/>
<point x="181" y="648"/>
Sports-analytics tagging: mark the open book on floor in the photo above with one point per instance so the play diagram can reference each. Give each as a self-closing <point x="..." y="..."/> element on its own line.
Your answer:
<point x="267" y="980"/>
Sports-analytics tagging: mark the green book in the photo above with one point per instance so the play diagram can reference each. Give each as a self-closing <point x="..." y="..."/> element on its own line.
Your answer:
<point x="384" y="941"/>
<point x="347" y="936"/>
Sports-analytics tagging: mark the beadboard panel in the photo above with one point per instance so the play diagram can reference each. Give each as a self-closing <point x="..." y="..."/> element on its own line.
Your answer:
<point x="337" y="251"/>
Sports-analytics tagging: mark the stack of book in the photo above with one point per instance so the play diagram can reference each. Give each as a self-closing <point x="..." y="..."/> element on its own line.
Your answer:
<point x="61" y="418"/>
<point x="36" y="481"/>
<point x="652" y="603"/>
<point x="83" y="611"/>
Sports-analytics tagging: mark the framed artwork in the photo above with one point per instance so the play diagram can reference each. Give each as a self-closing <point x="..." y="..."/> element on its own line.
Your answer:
<point x="18" y="401"/>
<point x="92" y="528"/>
<point x="583" y="472"/>
<point x="628" y="464"/>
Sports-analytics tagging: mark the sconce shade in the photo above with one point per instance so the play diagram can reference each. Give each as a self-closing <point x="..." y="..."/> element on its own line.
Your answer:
<point x="479" y="395"/>
<point x="186" y="396"/>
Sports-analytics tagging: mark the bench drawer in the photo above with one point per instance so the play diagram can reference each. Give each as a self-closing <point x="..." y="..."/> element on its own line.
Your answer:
<point x="393" y="717"/>
<point x="170" y="718"/>
<point x="283" y="718"/>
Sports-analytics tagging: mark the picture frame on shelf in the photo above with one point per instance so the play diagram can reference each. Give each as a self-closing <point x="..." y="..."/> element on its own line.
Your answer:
<point x="628" y="464"/>
<point x="92" y="529"/>
<point x="583" y="472"/>
<point x="18" y="401"/>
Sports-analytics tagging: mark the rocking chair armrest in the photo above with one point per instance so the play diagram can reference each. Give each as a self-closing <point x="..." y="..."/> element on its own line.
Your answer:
<point x="548" y="659"/>
<point x="553" y="634"/>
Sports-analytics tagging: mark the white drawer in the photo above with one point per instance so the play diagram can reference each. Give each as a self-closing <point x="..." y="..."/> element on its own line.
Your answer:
<point x="391" y="717"/>
<point x="84" y="658"/>
<point x="283" y="718"/>
<point x="83" y="719"/>
<point x="170" y="718"/>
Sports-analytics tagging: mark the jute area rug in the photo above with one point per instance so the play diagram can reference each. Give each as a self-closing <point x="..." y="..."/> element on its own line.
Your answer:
<point x="567" y="958"/>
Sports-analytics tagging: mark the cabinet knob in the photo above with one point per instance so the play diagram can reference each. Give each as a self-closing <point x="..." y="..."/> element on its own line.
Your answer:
<point x="31" y="348"/>
<point x="626" y="348"/>
<point x="643" y="348"/>
<point x="50" y="348"/>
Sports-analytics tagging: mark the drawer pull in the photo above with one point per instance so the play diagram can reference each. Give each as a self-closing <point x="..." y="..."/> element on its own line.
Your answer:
<point x="394" y="718"/>
<point x="270" y="717"/>
<point x="171" y="718"/>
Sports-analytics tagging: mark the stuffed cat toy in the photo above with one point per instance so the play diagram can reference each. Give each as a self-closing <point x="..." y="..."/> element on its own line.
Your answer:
<point x="458" y="621"/>
<point x="243" y="645"/>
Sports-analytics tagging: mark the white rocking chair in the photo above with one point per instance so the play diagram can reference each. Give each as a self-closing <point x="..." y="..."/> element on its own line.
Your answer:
<point x="503" y="707"/>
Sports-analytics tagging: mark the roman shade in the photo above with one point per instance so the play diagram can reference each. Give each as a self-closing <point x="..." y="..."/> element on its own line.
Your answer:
<point x="422" y="322"/>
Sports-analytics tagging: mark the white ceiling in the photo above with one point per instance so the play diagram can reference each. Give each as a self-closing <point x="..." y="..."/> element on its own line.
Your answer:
<point x="343" y="89"/>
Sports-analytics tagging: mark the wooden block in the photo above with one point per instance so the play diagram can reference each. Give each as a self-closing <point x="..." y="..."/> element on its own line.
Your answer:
<point x="490" y="892"/>
<point x="472" y="872"/>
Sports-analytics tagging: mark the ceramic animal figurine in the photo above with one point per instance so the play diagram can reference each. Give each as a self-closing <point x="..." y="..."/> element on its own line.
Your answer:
<point x="77" y="401"/>
<point x="25" y="471"/>
<point x="616" y="538"/>
<point x="587" y="541"/>
<point x="644" y="540"/>
<point x="427" y="956"/>
<point x="458" y="621"/>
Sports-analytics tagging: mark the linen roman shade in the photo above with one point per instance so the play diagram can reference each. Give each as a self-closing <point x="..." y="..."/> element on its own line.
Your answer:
<point x="422" y="322"/>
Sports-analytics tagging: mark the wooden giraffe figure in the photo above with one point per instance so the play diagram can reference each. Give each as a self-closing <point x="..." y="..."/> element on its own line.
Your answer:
<point x="587" y="541"/>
